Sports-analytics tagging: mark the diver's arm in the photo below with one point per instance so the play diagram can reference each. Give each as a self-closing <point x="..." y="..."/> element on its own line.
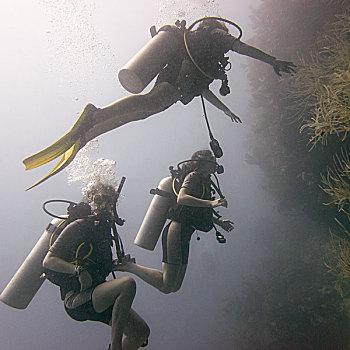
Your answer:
<point x="216" y="102"/>
<point x="251" y="51"/>
<point x="54" y="263"/>
<point x="186" y="199"/>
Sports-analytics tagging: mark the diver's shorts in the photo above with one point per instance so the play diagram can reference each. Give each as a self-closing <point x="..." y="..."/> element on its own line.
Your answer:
<point x="186" y="233"/>
<point x="186" y="78"/>
<point x="78" y="306"/>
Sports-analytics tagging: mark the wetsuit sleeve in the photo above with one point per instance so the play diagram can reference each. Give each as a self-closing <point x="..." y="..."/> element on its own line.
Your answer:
<point x="67" y="243"/>
<point x="193" y="184"/>
<point x="223" y="40"/>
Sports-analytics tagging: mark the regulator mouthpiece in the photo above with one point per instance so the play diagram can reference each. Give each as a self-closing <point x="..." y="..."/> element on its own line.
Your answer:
<point x="215" y="147"/>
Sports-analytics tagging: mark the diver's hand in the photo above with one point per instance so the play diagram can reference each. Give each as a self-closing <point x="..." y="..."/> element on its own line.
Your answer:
<point x="233" y="116"/>
<point x="226" y="225"/>
<point x="283" y="66"/>
<point x="123" y="264"/>
<point x="84" y="278"/>
<point x="220" y="202"/>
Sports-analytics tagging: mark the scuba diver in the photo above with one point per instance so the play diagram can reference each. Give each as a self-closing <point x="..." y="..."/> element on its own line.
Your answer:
<point x="193" y="210"/>
<point x="79" y="261"/>
<point x="185" y="62"/>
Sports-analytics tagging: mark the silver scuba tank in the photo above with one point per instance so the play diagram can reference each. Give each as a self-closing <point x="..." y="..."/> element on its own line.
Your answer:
<point x="149" y="61"/>
<point x="156" y="216"/>
<point x="29" y="277"/>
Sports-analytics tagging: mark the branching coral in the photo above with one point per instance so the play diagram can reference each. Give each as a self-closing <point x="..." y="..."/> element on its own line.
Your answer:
<point x="337" y="182"/>
<point x="341" y="265"/>
<point x="317" y="99"/>
<point x="323" y="85"/>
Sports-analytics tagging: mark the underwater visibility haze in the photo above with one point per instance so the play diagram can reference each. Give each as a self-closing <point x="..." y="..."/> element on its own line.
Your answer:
<point x="242" y="295"/>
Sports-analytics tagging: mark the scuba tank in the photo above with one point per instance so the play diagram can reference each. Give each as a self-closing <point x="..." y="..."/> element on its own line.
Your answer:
<point x="151" y="59"/>
<point x="30" y="276"/>
<point x="156" y="215"/>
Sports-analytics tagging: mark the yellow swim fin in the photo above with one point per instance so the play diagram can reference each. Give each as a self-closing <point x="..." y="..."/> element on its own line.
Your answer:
<point x="66" y="159"/>
<point x="65" y="143"/>
<point x="49" y="153"/>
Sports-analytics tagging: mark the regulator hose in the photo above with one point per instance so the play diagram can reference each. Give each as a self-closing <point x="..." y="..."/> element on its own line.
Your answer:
<point x="57" y="201"/>
<point x="201" y="20"/>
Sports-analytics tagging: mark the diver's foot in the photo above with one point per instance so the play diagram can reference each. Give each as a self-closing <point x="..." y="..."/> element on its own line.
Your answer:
<point x="85" y="120"/>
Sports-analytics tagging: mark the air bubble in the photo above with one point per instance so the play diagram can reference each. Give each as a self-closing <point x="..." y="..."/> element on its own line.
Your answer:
<point x="91" y="172"/>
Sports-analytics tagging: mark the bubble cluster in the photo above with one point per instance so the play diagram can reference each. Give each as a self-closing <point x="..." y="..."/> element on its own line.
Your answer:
<point x="92" y="173"/>
<point x="170" y="11"/>
<point x="74" y="43"/>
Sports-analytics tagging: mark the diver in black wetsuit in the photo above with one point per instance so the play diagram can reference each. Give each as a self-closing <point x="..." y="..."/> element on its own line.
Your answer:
<point x="180" y="80"/>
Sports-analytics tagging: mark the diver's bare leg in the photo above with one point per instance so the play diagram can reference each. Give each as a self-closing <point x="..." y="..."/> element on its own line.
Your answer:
<point x="132" y="108"/>
<point x="174" y="254"/>
<point x="164" y="280"/>
<point x="180" y="277"/>
<point x="136" y="332"/>
<point x="120" y="293"/>
<point x="94" y="122"/>
<point x="170" y="278"/>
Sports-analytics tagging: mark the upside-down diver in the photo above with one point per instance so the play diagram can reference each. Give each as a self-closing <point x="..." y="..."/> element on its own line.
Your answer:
<point x="185" y="62"/>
